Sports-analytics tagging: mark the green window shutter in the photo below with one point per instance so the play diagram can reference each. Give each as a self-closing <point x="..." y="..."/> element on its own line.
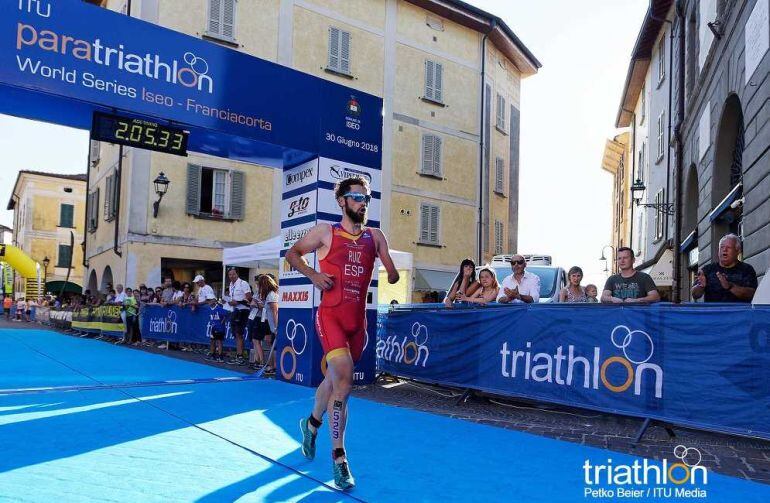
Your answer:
<point x="65" y="256"/>
<point x="66" y="215"/>
<point x="237" y="190"/>
<point x="193" y="189"/>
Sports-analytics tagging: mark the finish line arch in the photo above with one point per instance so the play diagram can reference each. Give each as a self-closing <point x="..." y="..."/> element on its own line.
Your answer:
<point x="68" y="60"/>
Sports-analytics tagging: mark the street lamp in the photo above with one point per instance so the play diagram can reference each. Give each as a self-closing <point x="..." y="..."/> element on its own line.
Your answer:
<point x="46" y="261"/>
<point x="605" y="258"/>
<point x="161" y="186"/>
<point x="637" y="192"/>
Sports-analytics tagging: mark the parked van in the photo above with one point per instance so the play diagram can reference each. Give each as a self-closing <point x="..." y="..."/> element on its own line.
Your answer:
<point x="552" y="278"/>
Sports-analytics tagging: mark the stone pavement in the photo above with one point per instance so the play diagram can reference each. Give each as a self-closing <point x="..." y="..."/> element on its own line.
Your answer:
<point x="732" y="455"/>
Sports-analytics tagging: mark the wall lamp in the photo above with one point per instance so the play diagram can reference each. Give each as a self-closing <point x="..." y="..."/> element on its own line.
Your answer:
<point x="637" y="191"/>
<point x="161" y="187"/>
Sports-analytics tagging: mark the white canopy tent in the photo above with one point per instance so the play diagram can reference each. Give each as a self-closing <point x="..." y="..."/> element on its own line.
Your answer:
<point x="264" y="255"/>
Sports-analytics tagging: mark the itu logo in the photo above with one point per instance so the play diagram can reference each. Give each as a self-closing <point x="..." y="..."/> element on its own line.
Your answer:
<point x="615" y="373"/>
<point x="409" y="350"/>
<point x="297" y="336"/>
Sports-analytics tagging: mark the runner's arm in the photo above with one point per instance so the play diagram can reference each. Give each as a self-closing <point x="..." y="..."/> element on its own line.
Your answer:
<point x="383" y="252"/>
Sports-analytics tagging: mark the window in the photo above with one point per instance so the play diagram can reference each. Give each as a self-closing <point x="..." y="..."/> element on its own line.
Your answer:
<point x="662" y="59"/>
<point x="500" y="118"/>
<point x="339" y="51"/>
<point x="429" y="222"/>
<point x="659" y="216"/>
<point x="221" y="22"/>
<point x="641" y="168"/>
<point x="65" y="256"/>
<point x="498" y="237"/>
<point x="434" y="81"/>
<point x="661" y="136"/>
<point x="499" y="167"/>
<point x="110" y="198"/>
<point x="431" y="155"/>
<point x="643" y="111"/>
<point x="96" y="149"/>
<point x="215" y="193"/>
<point x="93" y="211"/>
<point x="66" y="215"/>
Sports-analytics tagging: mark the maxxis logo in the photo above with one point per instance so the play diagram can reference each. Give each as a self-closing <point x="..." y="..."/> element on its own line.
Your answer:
<point x="297" y="336"/>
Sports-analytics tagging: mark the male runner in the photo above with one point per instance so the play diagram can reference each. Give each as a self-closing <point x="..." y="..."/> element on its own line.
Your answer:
<point x="346" y="253"/>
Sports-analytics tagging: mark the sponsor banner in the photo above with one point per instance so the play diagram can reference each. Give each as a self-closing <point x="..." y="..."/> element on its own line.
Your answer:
<point x="328" y="204"/>
<point x="301" y="205"/>
<point x="296" y="296"/>
<point x="102" y="319"/>
<point x="663" y="362"/>
<point x="291" y="235"/>
<point x="334" y="171"/>
<point x="300" y="176"/>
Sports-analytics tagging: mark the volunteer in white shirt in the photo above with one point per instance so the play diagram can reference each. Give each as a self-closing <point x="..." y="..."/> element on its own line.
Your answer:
<point x="238" y="297"/>
<point x="521" y="286"/>
<point x="120" y="296"/>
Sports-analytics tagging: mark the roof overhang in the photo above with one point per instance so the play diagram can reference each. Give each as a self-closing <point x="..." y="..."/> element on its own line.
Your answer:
<point x="640" y="59"/>
<point x="499" y="32"/>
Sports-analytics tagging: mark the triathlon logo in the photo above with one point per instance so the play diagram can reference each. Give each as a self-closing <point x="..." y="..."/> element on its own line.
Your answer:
<point x="167" y="325"/>
<point x="297" y="336"/>
<point x="645" y="479"/>
<point x="568" y="367"/>
<point x="410" y="350"/>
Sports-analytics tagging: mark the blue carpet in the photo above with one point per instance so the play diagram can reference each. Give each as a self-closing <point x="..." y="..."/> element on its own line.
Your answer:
<point x="238" y="441"/>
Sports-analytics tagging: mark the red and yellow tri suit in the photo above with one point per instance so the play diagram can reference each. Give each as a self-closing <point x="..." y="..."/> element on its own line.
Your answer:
<point x="341" y="318"/>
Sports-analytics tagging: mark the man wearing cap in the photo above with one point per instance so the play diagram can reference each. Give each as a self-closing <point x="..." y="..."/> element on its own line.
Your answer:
<point x="205" y="292"/>
<point x="238" y="298"/>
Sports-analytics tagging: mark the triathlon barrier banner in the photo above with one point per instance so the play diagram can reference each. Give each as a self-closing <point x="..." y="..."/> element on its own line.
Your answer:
<point x="178" y="324"/>
<point x="60" y="319"/>
<point x="705" y="366"/>
<point x="104" y="320"/>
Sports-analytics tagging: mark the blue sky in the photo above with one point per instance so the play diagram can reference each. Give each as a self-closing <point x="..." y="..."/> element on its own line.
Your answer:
<point x="567" y="113"/>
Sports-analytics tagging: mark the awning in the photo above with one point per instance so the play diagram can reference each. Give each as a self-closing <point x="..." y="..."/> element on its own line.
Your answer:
<point x="256" y="256"/>
<point x="426" y="279"/>
<point x="724" y="205"/>
<point x="69" y="287"/>
<point x="689" y="241"/>
<point x="662" y="271"/>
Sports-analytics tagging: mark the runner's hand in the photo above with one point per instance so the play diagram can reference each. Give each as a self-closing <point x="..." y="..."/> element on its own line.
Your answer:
<point x="322" y="281"/>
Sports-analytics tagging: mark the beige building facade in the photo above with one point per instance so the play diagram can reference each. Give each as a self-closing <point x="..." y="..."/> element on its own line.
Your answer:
<point x="450" y="179"/>
<point x="49" y="213"/>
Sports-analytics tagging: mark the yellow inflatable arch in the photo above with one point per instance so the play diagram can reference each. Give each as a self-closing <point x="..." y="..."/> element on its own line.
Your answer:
<point x="19" y="261"/>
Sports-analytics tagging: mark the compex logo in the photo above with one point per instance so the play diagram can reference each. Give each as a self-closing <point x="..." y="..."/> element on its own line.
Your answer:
<point x="409" y="350"/>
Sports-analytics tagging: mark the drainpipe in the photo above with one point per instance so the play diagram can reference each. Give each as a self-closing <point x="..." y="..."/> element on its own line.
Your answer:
<point x="118" y="176"/>
<point x="482" y="143"/>
<point x="677" y="263"/>
<point x="633" y="177"/>
<point x="88" y="194"/>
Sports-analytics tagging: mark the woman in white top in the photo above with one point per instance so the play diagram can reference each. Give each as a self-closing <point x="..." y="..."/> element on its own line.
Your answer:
<point x="488" y="291"/>
<point x="268" y="290"/>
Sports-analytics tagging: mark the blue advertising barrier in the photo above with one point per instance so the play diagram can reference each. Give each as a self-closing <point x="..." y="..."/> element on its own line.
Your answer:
<point x="177" y="324"/>
<point x="702" y="366"/>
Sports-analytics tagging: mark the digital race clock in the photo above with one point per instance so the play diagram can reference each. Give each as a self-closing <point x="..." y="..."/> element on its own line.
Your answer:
<point x="139" y="133"/>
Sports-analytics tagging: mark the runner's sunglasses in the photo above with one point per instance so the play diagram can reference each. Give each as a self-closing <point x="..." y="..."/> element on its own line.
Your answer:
<point x="358" y="197"/>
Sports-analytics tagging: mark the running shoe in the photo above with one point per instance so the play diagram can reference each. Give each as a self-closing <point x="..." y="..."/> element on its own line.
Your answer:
<point x="308" y="438"/>
<point x="343" y="479"/>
